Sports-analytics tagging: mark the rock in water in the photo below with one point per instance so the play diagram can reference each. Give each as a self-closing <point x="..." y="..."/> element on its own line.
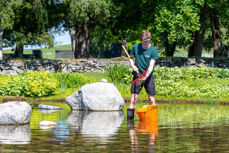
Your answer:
<point x="47" y="124"/>
<point x="48" y="107"/>
<point x="96" y="96"/>
<point x="12" y="113"/>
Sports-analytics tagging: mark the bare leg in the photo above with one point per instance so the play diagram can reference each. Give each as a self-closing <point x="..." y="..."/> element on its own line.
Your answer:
<point x="152" y="100"/>
<point x="133" y="101"/>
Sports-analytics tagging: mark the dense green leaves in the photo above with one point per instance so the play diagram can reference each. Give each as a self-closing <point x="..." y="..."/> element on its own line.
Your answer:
<point x="71" y="80"/>
<point x="181" y="82"/>
<point x="119" y="73"/>
<point x="30" y="84"/>
<point x="173" y="23"/>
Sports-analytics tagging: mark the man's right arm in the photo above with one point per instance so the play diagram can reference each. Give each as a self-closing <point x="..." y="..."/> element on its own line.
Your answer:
<point x="135" y="68"/>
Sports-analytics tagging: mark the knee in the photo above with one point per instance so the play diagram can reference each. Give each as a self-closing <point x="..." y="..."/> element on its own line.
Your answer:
<point x="133" y="101"/>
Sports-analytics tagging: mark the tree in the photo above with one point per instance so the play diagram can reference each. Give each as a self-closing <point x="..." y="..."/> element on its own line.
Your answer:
<point x="6" y="18"/>
<point x="82" y="17"/>
<point x="175" y="21"/>
<point x="213" y="10"/>
<point x="30" y="27"/>
<point x="218" y="10"/>
<point x="196" y="46"/>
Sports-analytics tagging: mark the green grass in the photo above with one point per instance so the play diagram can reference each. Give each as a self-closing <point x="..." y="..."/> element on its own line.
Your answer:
<point x="48" y="53"/>
<point x="183" y="52"/>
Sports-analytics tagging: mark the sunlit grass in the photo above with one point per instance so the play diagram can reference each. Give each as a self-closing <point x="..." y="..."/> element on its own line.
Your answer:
<point x="47" y="53"/>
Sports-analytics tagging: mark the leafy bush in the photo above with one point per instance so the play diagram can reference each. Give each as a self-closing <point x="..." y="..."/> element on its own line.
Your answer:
<point x="71" y="80"/>
<point x="182" y="82"/>
<point x="120" y="73"/>
<point x="31" y="84"/>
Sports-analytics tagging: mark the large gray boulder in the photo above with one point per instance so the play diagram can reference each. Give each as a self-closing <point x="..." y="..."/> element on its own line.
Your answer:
<point x="96" y="96"/>
<point x="12" y="113"/>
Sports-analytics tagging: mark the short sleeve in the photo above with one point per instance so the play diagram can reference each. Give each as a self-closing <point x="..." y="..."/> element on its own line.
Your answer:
<point x="132" y="51"/>
<point x="154" y="54"/>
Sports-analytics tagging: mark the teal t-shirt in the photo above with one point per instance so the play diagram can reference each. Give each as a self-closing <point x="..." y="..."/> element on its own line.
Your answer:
<point x="143" y="57"/>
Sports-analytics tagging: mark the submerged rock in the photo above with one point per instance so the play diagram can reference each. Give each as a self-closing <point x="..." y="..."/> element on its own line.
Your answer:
<point x="48" y="107"/>
<point x="12" y="113"/>
<point x="96" y="96"/>
<point x="47" y="124"/>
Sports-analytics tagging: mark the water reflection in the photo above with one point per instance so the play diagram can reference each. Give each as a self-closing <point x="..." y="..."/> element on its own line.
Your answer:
<point x="181" y="128"/>
<point x="95" y="125"/>
<point x="61" y="131"/>
<point x="15" y="134"/>
<point x="148" y="125"/>
<point x="46" y="111"/>
<point x="146" y="128"/>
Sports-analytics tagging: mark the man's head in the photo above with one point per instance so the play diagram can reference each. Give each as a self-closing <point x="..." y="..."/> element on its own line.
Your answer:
<point x="145" y="37"/>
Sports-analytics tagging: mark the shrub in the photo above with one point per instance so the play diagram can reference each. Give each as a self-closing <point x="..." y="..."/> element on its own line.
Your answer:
<point x="31" y="84"/>
<point x="181" y="82"/>
<point x="119" y="73"/>
<point x="71" y="80"/>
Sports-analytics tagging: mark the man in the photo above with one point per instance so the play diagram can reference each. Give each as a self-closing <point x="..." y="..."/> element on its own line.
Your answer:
<point x="145" y="57"/>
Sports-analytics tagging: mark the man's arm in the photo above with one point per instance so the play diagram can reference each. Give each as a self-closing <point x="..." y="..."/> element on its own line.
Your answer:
<point x="150" y="69"/>
<point x="131" y="60"/>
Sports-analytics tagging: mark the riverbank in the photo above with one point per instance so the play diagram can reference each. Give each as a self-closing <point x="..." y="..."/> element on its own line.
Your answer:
<point x="127" y="101"/>
<point x="173" y="85"/>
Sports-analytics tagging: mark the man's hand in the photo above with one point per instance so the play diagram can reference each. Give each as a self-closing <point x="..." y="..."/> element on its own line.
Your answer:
<point x="135" y="68"/>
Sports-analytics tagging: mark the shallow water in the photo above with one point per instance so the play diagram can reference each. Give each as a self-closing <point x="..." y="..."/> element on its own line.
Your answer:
<point x="181" y="128"/>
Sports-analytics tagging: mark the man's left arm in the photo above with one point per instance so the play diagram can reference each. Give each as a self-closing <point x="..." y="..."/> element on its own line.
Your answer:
<point x="150" y="69"/>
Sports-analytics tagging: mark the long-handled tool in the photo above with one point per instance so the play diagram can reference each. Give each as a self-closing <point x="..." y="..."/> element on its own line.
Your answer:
<point x="139" y="75"/>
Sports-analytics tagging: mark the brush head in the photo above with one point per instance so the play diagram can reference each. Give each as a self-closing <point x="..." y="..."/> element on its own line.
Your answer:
<point x="139" y="78"/>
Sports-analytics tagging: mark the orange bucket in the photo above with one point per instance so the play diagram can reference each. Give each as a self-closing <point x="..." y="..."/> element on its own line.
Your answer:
<point x="148" y="113"/>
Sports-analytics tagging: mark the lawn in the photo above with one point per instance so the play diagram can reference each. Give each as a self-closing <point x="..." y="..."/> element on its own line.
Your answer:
<point x="48" y="53"/>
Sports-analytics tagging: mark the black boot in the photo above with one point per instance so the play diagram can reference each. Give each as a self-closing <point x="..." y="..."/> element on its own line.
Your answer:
<point x="130" y="114"/>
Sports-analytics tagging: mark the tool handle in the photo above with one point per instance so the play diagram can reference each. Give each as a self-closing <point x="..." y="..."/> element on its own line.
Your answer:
<point x="125" y="51"/>
<point x="128" y="56"/>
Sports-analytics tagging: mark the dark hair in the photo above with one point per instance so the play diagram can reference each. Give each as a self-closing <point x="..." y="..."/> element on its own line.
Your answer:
<point x="145" y="34"/>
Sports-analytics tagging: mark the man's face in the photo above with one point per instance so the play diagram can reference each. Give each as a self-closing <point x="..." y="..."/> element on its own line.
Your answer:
<point x="145" y="43"/>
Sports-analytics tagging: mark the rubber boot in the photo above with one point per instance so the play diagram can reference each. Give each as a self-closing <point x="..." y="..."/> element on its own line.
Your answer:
<point x="130" y="114"/>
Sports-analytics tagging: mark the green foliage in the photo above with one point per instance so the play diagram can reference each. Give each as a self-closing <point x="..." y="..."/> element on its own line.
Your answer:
<point x="31" y="84"/>
<point x="26" y="23"/>
<point x="71" y="80"/>
<point x="180" y="82"/>
<point x="178" y="20"/>
<point x="119" y="73"/>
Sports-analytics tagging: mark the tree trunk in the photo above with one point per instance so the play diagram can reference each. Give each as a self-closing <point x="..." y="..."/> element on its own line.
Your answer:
<point x="18" y="51"/>
<point x="169" y="48"/>
<point x="214" y="18"/>
<point x="196" y="46"/>
<point x="1" y="53"/>
<point x="80" y="41"/>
